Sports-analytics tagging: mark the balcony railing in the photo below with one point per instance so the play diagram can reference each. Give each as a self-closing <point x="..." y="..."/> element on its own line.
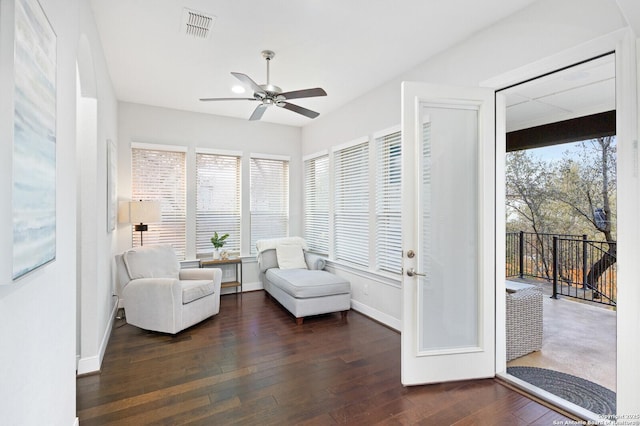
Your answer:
<point x="578" y="267"/>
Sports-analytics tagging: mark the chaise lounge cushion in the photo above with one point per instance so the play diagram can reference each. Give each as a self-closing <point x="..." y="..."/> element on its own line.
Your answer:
<point x="304" y="284"/>
<point x="268" y="259"/>
<point x="290" y="256"/>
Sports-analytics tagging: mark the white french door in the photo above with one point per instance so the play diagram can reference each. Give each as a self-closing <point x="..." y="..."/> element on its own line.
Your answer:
<point x="448" y="229"/>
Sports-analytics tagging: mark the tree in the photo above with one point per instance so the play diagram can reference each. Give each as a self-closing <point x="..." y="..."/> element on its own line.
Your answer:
<point x="529" y="188"/>
<point x="575" y="195"/>
<point x="588" y="186"/>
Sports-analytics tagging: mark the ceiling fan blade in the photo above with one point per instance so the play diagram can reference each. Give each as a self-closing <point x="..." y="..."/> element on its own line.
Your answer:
<point x="249" y="83"/>
<point x="258" y="112"/>
<point x="300" y="110"/>
<point x="306" y="93"/>
<point x="227" y="99"/>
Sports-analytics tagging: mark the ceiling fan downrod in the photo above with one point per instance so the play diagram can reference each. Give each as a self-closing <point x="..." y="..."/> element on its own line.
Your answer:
<point x="268" y="55"/>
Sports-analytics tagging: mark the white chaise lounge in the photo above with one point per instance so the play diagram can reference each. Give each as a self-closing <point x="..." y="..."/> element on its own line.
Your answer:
<point x="296" y="279"/>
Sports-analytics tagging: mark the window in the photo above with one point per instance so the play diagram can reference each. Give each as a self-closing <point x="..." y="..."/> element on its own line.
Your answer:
<point x="217" y="200"/>
<point x="316" y="203"/>
<point x="351" y="204"/>
<point x="269" y="199"/>
<point x="159" y="174"/>
<point x="388" y="203"/>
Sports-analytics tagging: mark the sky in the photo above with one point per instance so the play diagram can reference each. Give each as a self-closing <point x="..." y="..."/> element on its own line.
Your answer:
<point x="555" y="152"/>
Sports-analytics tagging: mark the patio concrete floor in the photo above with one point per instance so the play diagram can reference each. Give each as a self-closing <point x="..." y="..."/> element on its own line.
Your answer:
<point x="578" y="339"/>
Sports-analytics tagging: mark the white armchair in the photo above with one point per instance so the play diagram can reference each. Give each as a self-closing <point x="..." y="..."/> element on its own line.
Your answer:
<point x="159" y="296"/>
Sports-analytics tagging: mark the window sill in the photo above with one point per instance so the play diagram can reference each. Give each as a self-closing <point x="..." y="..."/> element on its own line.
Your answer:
<point x="389" y="279"/>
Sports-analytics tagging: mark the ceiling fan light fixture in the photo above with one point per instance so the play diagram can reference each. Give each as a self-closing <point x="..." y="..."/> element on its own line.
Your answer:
<point x="279" y="101"/>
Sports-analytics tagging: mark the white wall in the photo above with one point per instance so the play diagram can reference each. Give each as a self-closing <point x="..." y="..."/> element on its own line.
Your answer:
<point x="38" y="311"/>
<point x="147" y="124"/>
<point x="96" y="246"/>
<point x="541" y="30"/>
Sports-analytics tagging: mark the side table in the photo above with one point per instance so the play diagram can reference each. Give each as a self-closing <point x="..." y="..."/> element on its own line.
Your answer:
<point x="524" y="319"/>
<point x="237" y="261"/>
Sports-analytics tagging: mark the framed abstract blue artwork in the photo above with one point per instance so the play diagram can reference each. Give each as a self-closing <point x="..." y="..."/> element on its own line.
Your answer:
<point x="34" y="139"/>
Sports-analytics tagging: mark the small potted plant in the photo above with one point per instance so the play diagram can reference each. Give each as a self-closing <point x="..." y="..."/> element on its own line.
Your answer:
<point x="218" y="242"/>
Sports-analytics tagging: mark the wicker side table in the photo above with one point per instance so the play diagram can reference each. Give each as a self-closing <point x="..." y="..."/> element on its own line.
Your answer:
<point x="524" y="320"/>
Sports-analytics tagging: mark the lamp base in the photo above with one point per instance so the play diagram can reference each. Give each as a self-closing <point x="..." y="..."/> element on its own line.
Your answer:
<point x="141" y="228"/>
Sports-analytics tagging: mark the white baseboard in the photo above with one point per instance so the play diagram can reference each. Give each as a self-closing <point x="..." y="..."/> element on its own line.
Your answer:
<point x="92" y="364"/>
<point x="245" y="287"/>
<point x="88" y="365"/>
<point x="76" y="422"/>
<point x="385" y="319"/>
<point x="252" y="286"/>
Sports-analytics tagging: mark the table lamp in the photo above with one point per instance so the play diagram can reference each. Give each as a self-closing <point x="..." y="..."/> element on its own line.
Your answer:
<point x="143" y="212"/>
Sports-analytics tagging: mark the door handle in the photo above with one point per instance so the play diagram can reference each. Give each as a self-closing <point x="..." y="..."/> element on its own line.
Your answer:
<point x="412" y="273"/>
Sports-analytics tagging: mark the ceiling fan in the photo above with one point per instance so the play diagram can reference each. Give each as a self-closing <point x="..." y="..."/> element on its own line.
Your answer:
<point x="268" y="94"/>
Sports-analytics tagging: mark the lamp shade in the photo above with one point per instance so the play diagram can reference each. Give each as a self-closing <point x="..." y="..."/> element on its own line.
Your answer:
<point x="144" y="212"/>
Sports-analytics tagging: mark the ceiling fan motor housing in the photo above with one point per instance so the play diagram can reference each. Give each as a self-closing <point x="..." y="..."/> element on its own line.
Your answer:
<point x="271" y="89"/>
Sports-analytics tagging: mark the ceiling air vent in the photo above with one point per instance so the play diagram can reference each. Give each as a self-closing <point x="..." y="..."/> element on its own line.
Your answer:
<point x="196" y="24"/>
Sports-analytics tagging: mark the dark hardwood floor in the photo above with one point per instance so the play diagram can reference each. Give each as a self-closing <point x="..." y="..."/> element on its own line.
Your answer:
<point x="251" y="364"/>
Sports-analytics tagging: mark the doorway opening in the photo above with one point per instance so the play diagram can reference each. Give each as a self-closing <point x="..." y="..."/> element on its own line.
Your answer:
<point x="86" y="213"/>
<point x="560" y="243"/>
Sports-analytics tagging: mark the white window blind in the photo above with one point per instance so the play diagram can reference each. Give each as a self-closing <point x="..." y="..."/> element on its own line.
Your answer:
<point x="269" y="199"/>
<point x="160" y="175"/>
<point x="217" y="201"/>
<point x="425" y="205"/>
<point x="316" y="203"/>
<point x="388" y="203"/>
<point x="351" y="211"/>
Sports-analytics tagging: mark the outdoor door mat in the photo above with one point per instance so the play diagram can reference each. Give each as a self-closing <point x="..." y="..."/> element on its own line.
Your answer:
<point x="586" y="394"/>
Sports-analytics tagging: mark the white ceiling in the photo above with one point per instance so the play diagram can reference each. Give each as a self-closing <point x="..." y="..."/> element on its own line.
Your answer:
<point x="584" y="89"/>
<point x="346" y="47"/>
